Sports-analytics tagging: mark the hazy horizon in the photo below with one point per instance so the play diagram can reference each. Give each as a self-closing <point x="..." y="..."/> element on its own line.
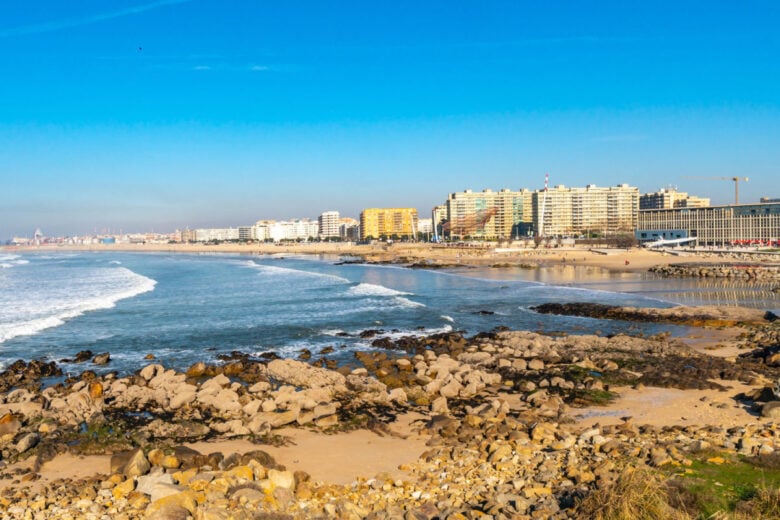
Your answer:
<point x="141" y="114"/>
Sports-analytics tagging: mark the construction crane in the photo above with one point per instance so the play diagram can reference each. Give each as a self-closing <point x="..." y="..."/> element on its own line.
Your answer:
<point x="734" y="179"/>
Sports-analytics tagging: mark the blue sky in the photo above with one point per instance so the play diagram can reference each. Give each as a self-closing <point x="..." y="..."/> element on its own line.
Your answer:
<point x="141" y="114"/>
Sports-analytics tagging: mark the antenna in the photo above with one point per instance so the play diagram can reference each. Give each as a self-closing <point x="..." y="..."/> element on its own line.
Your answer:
<point x="544" y="204"/>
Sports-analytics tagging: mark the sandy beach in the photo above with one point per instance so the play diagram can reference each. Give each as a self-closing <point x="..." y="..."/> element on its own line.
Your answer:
<point x="616" y="260"/>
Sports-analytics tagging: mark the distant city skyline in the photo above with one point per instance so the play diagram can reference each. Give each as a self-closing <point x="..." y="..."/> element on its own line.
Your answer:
<point x="141" y="115"/>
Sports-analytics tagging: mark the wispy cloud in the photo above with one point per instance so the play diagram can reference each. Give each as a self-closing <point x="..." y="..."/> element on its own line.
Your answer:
<point x="66" y="23"/>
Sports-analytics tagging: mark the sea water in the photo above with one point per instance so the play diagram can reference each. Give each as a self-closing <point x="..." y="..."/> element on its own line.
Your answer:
<point x="183" y="308"/>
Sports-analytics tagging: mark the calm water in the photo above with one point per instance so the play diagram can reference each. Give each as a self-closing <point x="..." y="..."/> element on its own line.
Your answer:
<point x="184" y="308"/>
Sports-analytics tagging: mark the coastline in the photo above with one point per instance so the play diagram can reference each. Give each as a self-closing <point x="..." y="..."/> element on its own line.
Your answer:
<point x="437" y="256"/>
<point x="375" y="437"/>
<point x="418" y="428"/>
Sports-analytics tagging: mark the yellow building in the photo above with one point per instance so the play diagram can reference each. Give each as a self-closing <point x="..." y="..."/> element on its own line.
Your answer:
<point x="388" y="223"/>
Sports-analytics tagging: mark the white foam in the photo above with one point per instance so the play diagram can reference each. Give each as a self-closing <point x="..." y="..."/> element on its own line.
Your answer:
<point x="8" y="263"/>
<point x="331" y="332"/>
<point x="403" y="334"/>
<point x="370" y="289"/>
<point x="118" y="284"/>
<point x="273" y="270"/>
<point x="115" y="262"/>
<point x="447" y="318"/>
<point x="407" y="303"/>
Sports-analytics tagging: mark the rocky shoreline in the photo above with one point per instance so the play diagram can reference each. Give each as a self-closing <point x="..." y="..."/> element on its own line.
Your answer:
<point x="710" y="316"/>
<point x="737" y="271"/>
<point x="496" y="410"/>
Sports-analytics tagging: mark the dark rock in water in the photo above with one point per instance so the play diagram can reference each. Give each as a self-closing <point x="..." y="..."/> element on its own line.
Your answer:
<point x="270" y="355"/>
<point x="305" y="355"/>
<point x="771" y="316"/>
<point x="485" y="313"/>
<point x="102" y="359"/>
<point x="383" y="343"/>
<point x="342" y="334"/>
<point x="20" y="373"/>
<point x="583" y="309"/>
<point x="369" y="333"/>
<point x="82" y="356"/>
<point x="234" y="355"/>
<point x="326" y="350"/>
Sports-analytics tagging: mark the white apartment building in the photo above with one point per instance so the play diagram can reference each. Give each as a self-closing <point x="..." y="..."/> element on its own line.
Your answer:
<point x="425" y="225"/>
<point x="329" y="224"/>
<point x="216" y="234"/>
<point x="299" y="229"/>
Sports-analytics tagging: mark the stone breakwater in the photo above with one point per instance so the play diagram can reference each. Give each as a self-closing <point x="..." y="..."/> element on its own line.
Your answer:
<point x="747" y="271"/>
<point x="495" y="409"/>
<point x="712" y="316"/>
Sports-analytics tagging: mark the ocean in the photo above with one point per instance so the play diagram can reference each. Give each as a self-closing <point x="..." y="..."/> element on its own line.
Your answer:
<point x="185" y="308"/>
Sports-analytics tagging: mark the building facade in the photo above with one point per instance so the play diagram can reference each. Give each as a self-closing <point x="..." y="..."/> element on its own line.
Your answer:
<point x="388" y="223"/>
<point x="562" y="211"/>
<point x="349" y="229"/>
<point x="216" y="234"/>
<point x="293" y="230"/>
<point x="668" y="198"/>
<point x="329" y="224"/>
<point x="486" y="214"/>
<point x="713" y="226"/>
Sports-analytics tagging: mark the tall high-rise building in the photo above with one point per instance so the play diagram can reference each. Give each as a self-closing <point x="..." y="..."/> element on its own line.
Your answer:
<point x="329" y="224"/>
<point x="487" y="213"/>
<point x="562" y="211"/>
<point x="388" y="223"/>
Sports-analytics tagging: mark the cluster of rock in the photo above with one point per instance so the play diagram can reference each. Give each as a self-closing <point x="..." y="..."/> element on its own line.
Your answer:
<point x="501" y="441"/>
<point x="754" y="272"/>
<point x="705" y="315"/>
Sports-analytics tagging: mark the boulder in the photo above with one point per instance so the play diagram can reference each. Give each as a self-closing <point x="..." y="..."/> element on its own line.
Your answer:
<point x="771" y="410"/>
<point x="149" y="371"/>
<point x="281" y="479"/>
<point x="27" y="442"/>
<point x="303" y="375"/>
<point x="102" y="359"/>
<point x="132" y="463"/>
<point x="9" y="424"/>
